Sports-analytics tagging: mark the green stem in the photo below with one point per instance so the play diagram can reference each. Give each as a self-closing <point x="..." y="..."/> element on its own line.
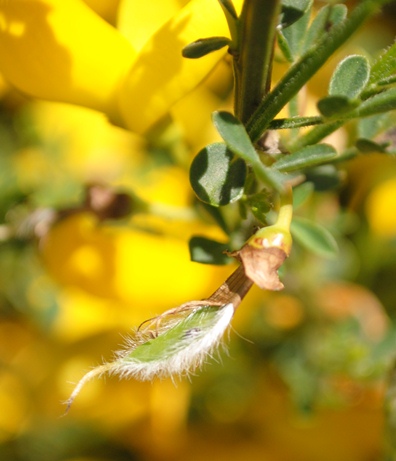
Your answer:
<point x="285" y="213"/>
<point x="306" y="67"/>
<point x="295" y="122"/>
<point x="315" y="135"/>
<point x="253" y="62"/>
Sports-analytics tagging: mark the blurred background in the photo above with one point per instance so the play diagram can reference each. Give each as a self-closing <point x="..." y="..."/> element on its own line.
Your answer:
<point x="305" y="374"/>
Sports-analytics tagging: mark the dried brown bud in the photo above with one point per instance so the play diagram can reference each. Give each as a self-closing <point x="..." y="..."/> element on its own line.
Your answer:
<point x="261" y="265"/>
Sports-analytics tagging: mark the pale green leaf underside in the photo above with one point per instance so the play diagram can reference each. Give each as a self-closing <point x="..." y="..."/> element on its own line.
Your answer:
<point x="314" y="237"/>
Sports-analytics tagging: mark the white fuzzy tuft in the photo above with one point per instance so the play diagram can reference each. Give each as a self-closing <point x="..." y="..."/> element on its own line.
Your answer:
<point x="185" y="356"/>
<point x="182" y="357"/>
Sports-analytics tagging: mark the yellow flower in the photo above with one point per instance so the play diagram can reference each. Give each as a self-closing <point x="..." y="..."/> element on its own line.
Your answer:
<point x="380" y="206"/>
<point x="64" y="51"/>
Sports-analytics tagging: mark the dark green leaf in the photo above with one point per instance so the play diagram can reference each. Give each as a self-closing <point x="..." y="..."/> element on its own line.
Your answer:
<point x="367" y="146"/>
<point x="306" y="157"/>
<point x="229" y="8"/>
<point x="207" y="251"/>
<point x="324" y="177"/>
<point x="324" y="20"/>
<point x="260" y="205"/>
<point x="350" y="77"/>
<point x="204" y="46"/>
<point x="217" y="176"/>
<point x="333" y="106"/>
<point x="217" y="215"/>
<point x="293" y="10"/>
<point x="314" y="237"/>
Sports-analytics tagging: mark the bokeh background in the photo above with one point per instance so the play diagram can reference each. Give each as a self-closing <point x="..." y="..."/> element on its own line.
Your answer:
<point x="305" y="374"/>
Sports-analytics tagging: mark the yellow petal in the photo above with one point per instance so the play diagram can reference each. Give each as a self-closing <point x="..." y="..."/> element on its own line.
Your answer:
<point x="138" y="21"/>
<point x="160" y="75"/>
<point x="107" y="9"/>
<point x="62" y="51"/>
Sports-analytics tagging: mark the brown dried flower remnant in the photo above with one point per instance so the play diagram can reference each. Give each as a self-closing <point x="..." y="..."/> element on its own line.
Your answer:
<point x="263" y="255"/>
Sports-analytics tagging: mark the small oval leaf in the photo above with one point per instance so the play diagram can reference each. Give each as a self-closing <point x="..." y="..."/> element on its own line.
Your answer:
<point x="332" y="106"/>
<point x="207" y="251"/>
<point x="204" y="46"/>
<point x="350" y="77"/>
<point x="217" y="176"/>
<point x="306" y="157"/>
<point x="314" y="237"/>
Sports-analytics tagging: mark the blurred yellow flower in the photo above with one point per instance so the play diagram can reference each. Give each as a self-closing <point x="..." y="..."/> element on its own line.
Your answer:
<point x="64" y="51"/>
<point x="380" y="206"/>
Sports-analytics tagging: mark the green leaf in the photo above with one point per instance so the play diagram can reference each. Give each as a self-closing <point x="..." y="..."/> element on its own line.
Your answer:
<point x="324" y="177"/>
<point x="207" y="251"/>
<point x="301" y="71"/>
<point x="260" y="205"/>
<point x="235" y="136"/>
<point x="204" y="46"/>
<point x="232" y="20"/>
<point x="217" y="176"/>
<point x="350" y="77"/>
<point x="301" y="193"/>
<point x="385" y="66"/>
<point x="229" y="8"/>
<point x="294" y="35"/>
<point x="332" y="106"/>
<point x="369" y="127"/>
<point x="293" y="10"/>
<point x="314" y="237"/>
<point x="367" y="146"/>
<point x="325" y="19"/>
<point x="306" y="157"/>
<point x="382" y="102"/>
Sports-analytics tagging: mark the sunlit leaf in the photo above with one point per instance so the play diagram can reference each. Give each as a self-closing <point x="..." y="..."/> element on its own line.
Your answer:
<point x="314" y="237"/>
<point x="235" y="136"/>
<point x="306" y="157"/>
<point x="217" y="176"/>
